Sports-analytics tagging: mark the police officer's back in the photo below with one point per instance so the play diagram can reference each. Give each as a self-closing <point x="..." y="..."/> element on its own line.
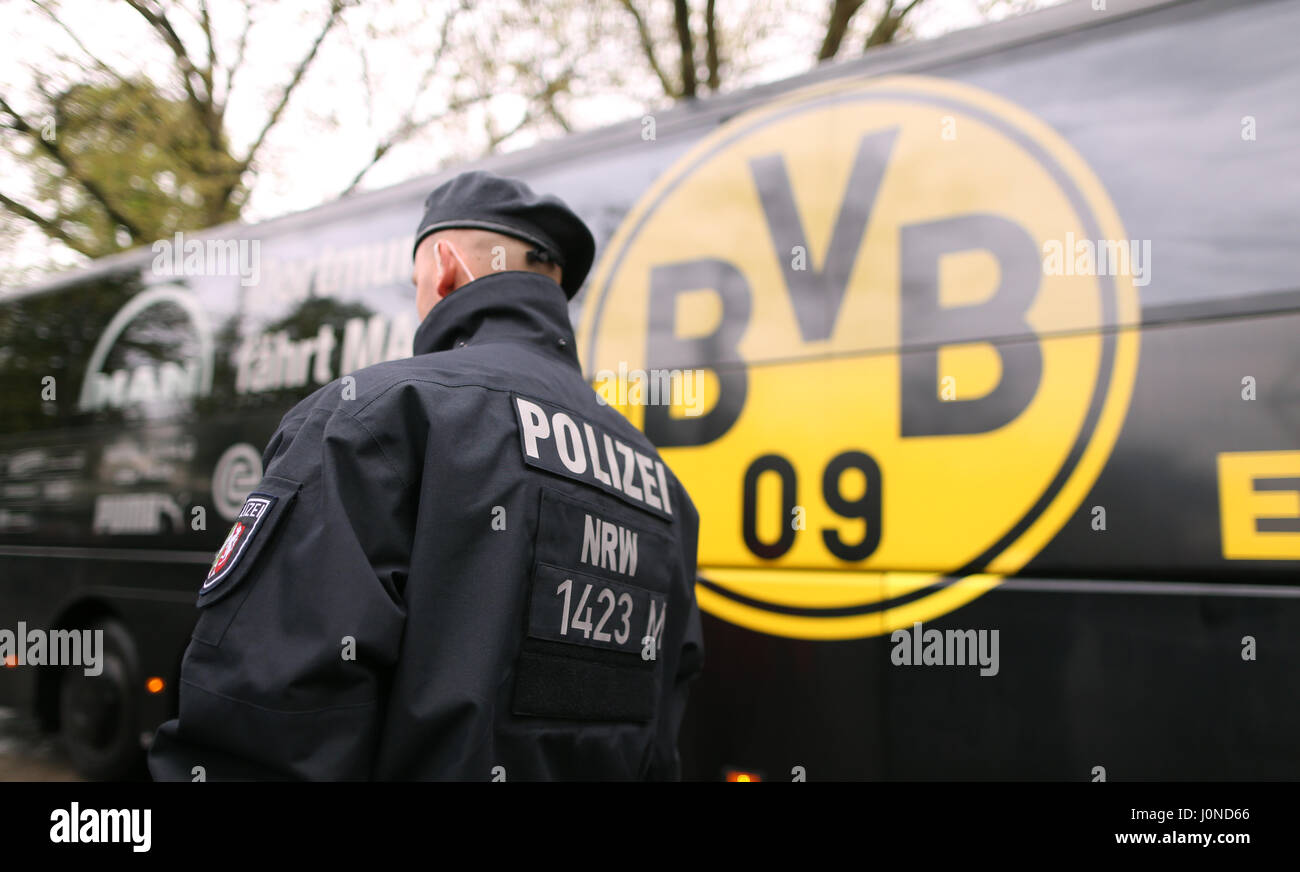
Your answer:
<point x="458" y="565"/>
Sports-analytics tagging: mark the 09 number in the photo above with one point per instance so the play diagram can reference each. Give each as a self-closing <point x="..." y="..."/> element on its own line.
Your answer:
<point x="866" y="507"/>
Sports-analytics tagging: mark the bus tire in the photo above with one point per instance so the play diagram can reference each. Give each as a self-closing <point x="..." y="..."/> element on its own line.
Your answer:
<point x="99" y="714"/>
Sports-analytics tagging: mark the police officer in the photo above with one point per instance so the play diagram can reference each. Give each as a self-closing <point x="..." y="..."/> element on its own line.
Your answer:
<point x="461" y="565"/>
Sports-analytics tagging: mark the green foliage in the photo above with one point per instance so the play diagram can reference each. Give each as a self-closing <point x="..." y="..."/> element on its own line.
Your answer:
<point x="146" y="154"/>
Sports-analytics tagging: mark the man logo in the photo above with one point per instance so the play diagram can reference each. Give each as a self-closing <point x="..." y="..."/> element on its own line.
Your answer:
<point x="186" y="376"/>
<point x="900" y="406"/>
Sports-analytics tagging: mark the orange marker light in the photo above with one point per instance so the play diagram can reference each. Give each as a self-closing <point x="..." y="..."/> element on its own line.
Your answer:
<point x="154" y="685"/>
<point x="11" y="660"/>
<point x="737" y="775"/>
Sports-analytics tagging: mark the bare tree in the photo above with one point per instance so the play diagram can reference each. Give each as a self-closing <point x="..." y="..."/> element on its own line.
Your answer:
<point x="204" y="78"/>
<point x="139" y="155"/>
<point x="684" y="83"/>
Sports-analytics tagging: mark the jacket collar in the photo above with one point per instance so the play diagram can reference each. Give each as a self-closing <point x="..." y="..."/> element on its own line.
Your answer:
<point x="514" y="306"/>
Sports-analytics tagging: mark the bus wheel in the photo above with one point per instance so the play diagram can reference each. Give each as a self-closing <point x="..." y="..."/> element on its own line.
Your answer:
<point x="98" y="713"/>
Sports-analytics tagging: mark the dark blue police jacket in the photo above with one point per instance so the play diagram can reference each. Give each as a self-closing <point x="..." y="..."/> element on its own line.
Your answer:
<point x="461" y="565"/>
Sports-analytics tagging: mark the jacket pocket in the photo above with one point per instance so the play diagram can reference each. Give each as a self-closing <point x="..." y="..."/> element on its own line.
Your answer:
<point x="595" y="613"/>
<point x="567" y="682"/>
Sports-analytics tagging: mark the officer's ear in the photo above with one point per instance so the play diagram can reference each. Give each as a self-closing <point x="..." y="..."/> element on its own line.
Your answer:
<point x="433" y="274"/>
<point x="445" y="278"/>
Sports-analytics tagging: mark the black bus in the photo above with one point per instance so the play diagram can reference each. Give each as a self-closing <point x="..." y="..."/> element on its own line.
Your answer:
<point x="985" y="369"/>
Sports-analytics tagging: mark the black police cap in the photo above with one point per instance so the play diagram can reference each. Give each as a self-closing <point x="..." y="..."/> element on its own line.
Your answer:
<point x="486" y="201"/>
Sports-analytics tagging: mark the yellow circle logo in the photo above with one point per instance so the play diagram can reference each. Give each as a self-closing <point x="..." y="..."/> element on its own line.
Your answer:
<point x="885" y="334"/>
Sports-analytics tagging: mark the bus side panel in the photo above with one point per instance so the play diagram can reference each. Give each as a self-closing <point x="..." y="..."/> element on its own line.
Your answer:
<point x="1145" y="686"/>
<point x="1140" y="646"/>
<point x="1215" y="402"/>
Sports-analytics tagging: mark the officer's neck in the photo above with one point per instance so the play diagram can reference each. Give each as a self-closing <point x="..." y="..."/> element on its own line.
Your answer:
<point x="509" y="306"/>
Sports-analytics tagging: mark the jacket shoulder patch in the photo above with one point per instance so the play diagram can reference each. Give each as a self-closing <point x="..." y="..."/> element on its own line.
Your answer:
<point x="250" y="521"/>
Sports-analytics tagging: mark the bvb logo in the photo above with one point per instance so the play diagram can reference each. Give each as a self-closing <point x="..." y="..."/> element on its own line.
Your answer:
<point x="901" y="406"/>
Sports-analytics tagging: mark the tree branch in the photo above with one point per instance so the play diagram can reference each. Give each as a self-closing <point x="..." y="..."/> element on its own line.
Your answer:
<point x="336" y="9"/>
<point x="405" y="131"/>
<point x="887" y="27"/>
<point x="842" y="12"/>
<point x="205" y="22"/>
<point x="495" y="139"/>
<point x="682" y="20"/>
<point x="99" y="64"/>
<point x="711" y="45"/>
<point x="52" y="149"/>
<point x="648" y="48"/>
<point x="408" y="126"/>
<point x="49" y="227"/>
<point x="548" y="100"/>
<point x="157" y="19"/>
<point x="444" y="35"/>
<point x="203" y="105"/>
<point x="239" y="54"/>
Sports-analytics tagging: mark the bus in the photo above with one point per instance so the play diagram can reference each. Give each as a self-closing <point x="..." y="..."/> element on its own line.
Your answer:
<point x="982" y="369"/>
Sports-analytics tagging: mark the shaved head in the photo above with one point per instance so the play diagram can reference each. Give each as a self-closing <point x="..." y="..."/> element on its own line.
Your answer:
<point x="465" y="254"/>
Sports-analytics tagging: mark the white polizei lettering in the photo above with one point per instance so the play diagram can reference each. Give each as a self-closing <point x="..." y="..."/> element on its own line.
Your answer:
<point x="608" y="543"/>
<point x="629" y="468"/>
<point x="643" y="465"/>
<point x="612" y="457"/>
<point x="566" y="436"/>
<point x="663" y="485"/>
<point x="601" y="475"/>
<point x="590" y="543"/>
<point x="626" y="551"/>
<point x="639" y="476"/>
<point x="535" y="425"/>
